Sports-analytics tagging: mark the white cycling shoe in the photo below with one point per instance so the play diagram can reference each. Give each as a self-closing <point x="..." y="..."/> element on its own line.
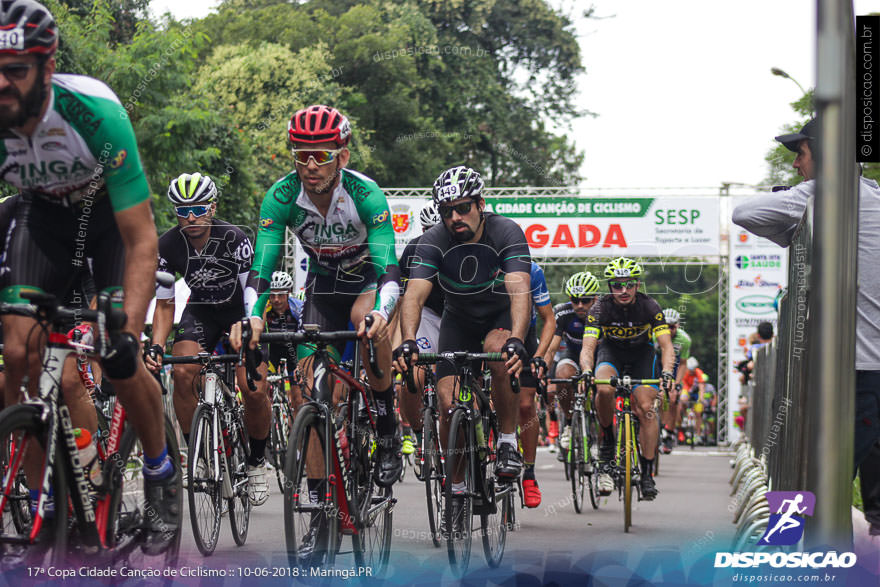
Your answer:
<point x="258" y="485"/>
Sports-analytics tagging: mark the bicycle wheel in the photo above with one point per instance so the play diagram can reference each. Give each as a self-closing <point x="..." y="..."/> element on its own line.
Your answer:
<point x="205" y="485"/>
<point x="239" y="503"/>
<point x="278" y="436"/>
<point x="311" y="526"/>
<point x="460" y="460"/>
<point x="576" y="463"/>
<point x="21" y="427"/>
<point x="591" y="443"/>
<point x="495" y="509"/>
<point x="128" y="506"/>
<point x="433" y="474"/>
<point x="627" y="484"/>
<point x="372" y="541"/>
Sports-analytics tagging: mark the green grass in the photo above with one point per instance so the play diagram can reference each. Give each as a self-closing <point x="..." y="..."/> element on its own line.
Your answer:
<point x="857" y="494"/>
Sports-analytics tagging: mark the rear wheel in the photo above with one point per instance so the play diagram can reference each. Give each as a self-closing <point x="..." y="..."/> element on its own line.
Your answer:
<point x="592" y="458"/>
<point x="21" y="429"/>
<point x="628" y="473"/>
<point x="204" y="488"/>
<point x="239" y="503"/>
<point x="495" y="514"/>
<point x="433" y="474"/>
<point x="576" y="463"/>
<point x="460" y="463"/>
<point x="278" y="436"/>
<point x="311" y="526"/>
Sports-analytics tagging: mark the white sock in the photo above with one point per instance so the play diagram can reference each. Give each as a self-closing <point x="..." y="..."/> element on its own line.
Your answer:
<point x="508" y="438"/>
<point x="459" y="487"/>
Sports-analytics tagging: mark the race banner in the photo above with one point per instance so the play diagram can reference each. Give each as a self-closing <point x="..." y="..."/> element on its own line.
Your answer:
<point x="758" y="272"/>
<point x="595" y="227"/>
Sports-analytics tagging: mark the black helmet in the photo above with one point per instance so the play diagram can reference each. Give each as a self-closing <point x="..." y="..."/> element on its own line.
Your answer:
<point x="26" y="26"/>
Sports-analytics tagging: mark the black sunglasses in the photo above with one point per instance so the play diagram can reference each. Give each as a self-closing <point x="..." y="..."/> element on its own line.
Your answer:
<point x="16" y="71"/>
<point x="583" y="301"/>
<point x="462" y="209"/>
<point x="621" y="285"/>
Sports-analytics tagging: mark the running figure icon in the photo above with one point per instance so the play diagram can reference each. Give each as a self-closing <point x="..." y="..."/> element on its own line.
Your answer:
<point x="787" y="524"/>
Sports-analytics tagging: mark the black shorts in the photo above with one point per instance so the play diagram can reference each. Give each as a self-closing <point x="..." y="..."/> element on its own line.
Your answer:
<point x="639" y="362"/>
<point x="206" y="325"/>
<point x="463" y="334"/>
<point x="329" y="299"/>
<point x="526" y="377"/>
<point x="51" y="246"/>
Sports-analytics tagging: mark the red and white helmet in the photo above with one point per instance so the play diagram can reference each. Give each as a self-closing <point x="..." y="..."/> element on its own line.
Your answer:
<point x="319" y="124"/>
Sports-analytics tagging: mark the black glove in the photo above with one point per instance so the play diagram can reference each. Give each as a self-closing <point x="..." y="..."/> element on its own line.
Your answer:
<point x="668" y="378"/>
<point x="156" y="350"/>
<point x="407" y="347"/>
<point x="537" y="364"/>
<point x="515" y="346"/>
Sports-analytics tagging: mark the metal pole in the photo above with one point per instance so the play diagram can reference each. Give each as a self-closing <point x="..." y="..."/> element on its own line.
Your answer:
<point x="831" y="386"/>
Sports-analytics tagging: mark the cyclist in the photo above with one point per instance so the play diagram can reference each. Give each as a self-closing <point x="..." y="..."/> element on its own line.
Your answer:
<point x="429" y="328"/>
<point x="626" y="319"/>
<point x="571" y="316"/>
<point x="283" y="314"/>
<point x="213" y="257"/>
<point x="681" y="342"/>
<point x="528" y="415"/>
<point x="68" y="145"/>
<point x="341" y="218"/>
<point x="693" y="385"/>
<point x="482" y="260"/>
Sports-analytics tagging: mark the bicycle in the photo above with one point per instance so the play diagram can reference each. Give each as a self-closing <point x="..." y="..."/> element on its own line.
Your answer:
<point x="343" y="460"/>
<point x="217" y="453"/>
<point x="625" y="471"/>
<point x="582" y="458"/>
<point x="282" y="419"/>
<point x="430" y="458"/>
<point x="471" y="453"/>
<point x="100" y="504"/>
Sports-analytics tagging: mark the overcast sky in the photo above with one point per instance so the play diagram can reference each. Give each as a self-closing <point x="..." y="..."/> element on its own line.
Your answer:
<point x="682" y="88"/>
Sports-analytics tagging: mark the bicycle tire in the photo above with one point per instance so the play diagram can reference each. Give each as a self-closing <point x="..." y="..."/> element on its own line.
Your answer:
<point x="494" y="524"/>
<point x="128" y="504"/>
<point x="458" y="544"/>
<point x="278" y="437"/>
<point x="592" y="456"/>
<point x="205" y="485"/>
<point x="299" y="513"/>
<point x="20" y="425"/>
<point x="433" y="474"/>
<point x="628" y="466"/>
<point x="576" y="456"/>
<point x="239" y="504"/>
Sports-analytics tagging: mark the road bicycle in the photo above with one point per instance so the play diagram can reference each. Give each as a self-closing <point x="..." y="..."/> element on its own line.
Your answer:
<point x="430" y="460"/>
<point x="625" y="471"/>
<point x="99" y="508"/>
<point x="582" y="458"/>
<point x="471" y="455"/>
<point x="217" y="453"/>
<point x="331" y="456"/>
<point x="282" y="420"/>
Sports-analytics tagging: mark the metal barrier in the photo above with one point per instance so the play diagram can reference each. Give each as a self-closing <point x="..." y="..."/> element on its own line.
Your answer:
<point x="768" y="454"/>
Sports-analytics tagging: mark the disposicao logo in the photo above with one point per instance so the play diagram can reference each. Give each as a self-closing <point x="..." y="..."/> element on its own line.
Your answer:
<point x="786" y="526"/>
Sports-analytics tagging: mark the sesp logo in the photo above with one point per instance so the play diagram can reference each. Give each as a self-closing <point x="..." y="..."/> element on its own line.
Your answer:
<point x="786" y="526"/>
<point x="755" y="304"/>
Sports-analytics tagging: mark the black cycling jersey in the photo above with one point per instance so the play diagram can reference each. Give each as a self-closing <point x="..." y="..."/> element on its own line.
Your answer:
<point x="435" y="298"/>
<point x="472" y="274"/>
<point x="569" y="326"/>
<point x="287" y="321"/>
<point x="216" y="274"/>
<point x="626" y="326"/>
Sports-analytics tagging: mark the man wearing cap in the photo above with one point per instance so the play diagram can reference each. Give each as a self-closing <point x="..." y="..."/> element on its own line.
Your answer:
<point x="776" y="217"/>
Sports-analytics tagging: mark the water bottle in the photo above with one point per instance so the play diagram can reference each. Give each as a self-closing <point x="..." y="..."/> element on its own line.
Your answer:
<point x="88" y="455"/>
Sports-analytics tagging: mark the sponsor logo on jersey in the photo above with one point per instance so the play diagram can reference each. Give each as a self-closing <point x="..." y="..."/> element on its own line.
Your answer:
<point x="659" y="317"/>
<point x="52" y="146"/>
<point x="119" y="159"/>
<point x="423" y="343"/>
<point x="76" y="110"/>
<point x="266" y="222"/>
<point x="625" y="332"/>
<point x="379" y="218"/>
<point x="52" y="132"/>
<point x="283" y="193"/>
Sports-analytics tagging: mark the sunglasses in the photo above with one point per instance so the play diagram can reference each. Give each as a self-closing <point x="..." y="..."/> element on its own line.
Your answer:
<point x="462" y="209"/>
<point x="16" y="71"/>
<point x="621" y="285"/>
<point x="302" y="156"/>
<point x="584" y="301"/>
<point x="197" y="211"/>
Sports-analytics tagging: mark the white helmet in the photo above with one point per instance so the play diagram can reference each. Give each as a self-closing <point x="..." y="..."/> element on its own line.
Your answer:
<point x="692" y="363"/>
<point x="281" y="281"/>
<point x="429" y="216"/>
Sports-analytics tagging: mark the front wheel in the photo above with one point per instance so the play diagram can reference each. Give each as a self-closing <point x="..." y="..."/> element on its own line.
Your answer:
<point x="460" y="464"/>
<point x="205" y="480"/>
<point x="576" y="463"/>
<point x="278" y="436"/>
<point x="239" y="503"/>
<point x="628" y="475"/>
<point x="433" y="474"/>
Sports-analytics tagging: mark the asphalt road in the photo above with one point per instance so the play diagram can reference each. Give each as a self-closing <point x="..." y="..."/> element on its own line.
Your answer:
<point x="689" y="519"/>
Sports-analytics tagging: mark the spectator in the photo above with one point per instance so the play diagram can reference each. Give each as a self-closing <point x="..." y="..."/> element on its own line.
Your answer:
<point x="776" y="217"/>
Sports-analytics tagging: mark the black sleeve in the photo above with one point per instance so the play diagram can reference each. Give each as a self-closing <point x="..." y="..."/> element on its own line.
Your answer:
<point x="511" y="244"/>
<point x="406" y="258"/>
<point x="428" y="255"/>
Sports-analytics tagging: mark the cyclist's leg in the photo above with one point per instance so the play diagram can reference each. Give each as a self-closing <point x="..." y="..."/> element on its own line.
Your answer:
<point x="528" y="425"/>
<point x="504" y="400"/>
<point x="565" y="369"/>
<point x="189" y="339"/>
<point x="427" y="338"/>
